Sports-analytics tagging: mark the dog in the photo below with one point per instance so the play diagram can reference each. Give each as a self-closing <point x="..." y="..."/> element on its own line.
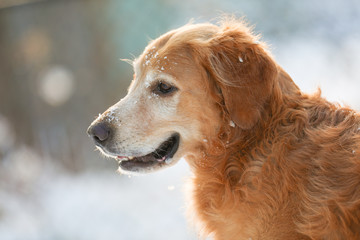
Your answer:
<point x="269" y="161"/>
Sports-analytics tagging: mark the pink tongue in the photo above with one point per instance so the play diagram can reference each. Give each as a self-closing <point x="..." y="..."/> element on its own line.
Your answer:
<point x="161" y="160"/>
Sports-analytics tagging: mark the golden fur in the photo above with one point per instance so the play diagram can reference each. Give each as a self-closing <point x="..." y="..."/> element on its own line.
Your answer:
<point x="290" y="169"/>
<point x="276" y="163"/>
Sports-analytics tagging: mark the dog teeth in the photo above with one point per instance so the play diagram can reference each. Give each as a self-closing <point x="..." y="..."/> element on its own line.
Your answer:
<point x="124" y="158"/>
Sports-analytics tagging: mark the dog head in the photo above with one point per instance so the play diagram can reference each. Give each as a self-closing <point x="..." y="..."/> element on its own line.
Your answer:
<point x="188" y="86"/>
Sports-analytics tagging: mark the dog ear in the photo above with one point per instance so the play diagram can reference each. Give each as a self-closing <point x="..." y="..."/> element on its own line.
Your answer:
<point x="244" y="73"/>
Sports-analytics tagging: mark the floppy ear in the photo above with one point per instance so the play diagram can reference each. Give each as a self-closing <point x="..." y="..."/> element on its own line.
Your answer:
<point x="244" y="73"/>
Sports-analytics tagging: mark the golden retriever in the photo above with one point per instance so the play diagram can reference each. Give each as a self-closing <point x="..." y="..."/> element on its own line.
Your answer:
<point x="269" y="161"/>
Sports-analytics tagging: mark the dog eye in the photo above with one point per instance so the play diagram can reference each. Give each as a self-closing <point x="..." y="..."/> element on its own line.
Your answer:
<point x="164" y="88"/>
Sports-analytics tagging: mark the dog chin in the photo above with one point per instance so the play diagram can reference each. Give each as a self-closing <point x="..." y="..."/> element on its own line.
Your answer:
<point x="139" y="170"/>
<point x="164" y="156"/>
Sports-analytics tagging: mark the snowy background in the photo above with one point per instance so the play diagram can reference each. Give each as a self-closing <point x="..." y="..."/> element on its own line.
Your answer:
<point x="59" y="68"/>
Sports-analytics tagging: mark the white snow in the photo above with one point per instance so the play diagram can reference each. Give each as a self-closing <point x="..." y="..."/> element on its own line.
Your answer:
<point x="148" y="80"/>
<point x="98" y="205"/>
<point x="155" y="95"/>
<point x="111" y="115"/>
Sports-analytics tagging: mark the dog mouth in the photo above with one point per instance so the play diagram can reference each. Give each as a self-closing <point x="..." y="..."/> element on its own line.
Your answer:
<point x="160" y="157"/>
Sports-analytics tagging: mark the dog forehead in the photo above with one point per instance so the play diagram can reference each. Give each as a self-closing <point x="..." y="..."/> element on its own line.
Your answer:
<point x="154" y="58"/>
<point x="158" y="63"/>
<point x="161" y="58"/>
<point x="152" y="65"/>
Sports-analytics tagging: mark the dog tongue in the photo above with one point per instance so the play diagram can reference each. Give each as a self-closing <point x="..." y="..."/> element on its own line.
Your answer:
<point x="161" y="159"/>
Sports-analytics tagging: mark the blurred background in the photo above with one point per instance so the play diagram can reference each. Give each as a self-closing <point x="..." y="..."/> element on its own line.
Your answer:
<point x="60" y="67"/>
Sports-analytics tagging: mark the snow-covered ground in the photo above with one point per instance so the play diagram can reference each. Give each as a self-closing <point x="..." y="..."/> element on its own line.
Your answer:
<point x="97" y="205"/>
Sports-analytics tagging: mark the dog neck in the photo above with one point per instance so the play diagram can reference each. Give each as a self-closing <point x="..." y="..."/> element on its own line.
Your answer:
<point x="230" y="162"/>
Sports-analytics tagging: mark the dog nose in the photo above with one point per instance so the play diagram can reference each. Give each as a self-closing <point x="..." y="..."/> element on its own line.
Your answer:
<point x="99" y="132"/>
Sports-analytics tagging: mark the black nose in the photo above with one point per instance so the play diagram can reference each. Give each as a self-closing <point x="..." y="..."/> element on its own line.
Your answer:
<point x="99" y="132"/>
